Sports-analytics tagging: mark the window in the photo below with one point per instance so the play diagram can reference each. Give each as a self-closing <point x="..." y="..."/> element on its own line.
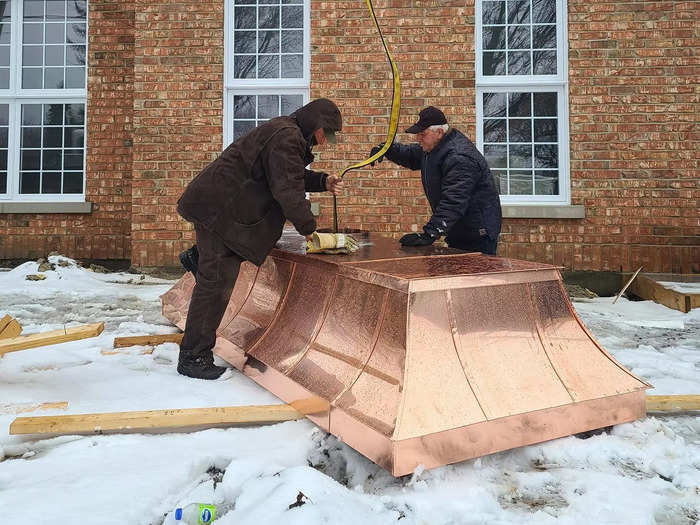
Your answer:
<point x="43" y="49"/>
<point x="267" y="62"/>
<point x="522" y="120"/>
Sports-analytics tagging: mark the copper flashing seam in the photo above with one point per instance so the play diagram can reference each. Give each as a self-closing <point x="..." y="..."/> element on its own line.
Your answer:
<point x="422" y="356"/>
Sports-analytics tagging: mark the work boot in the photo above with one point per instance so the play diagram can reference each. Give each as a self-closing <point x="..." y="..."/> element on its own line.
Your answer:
<point x="200" y="367"/>
<point x="190" y="260"/>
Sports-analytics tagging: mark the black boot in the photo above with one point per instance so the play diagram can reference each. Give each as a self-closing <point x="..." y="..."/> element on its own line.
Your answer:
<point x="200" y="367"/>
<point x="190" y="260"/>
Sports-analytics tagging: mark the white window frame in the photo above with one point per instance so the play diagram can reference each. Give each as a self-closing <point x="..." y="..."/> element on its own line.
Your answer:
<point x="15" y="96"/>
<point x="260" y="86"/>
<point x="531" y="83"/>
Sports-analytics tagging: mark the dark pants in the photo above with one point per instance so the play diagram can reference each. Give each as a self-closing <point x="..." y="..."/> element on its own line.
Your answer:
<point x="216" y="276"/>
<point x="484" y="244"/>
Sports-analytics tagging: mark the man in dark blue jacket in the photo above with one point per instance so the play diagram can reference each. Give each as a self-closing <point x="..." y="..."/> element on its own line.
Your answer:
<point x="457" y="182"/>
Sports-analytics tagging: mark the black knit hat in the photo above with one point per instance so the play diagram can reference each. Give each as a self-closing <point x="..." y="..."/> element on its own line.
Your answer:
<point x="430" y="116"/>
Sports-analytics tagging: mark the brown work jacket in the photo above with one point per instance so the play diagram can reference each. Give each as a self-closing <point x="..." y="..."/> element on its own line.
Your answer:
<point x="259" y="181"/>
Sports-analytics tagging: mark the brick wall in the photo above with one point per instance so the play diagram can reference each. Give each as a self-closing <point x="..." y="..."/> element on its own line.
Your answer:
<point x="104" y="233"/>
<point x="633" y="104"/>
<point x="178" y="109"/>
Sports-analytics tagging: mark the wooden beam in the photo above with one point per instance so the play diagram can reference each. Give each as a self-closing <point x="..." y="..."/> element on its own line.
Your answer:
<point x="147" y="340"/>
<point x="9" y="327"/>
<point x="21" y="408"/>
<point x="50" y="338"/>
<point x="154" y="420"/>
<point x="673" y="403"/>
<point x="649" y="289"/>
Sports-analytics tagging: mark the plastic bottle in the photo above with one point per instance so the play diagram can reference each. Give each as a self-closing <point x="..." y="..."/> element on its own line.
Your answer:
<point x="195" y="514"/>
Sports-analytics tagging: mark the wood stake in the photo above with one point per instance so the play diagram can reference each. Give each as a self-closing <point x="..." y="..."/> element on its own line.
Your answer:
<point x="20" y="408"/>
<point x="147" y="340"/>
<point x="53" y="337"/>
<point x="153" y="420"/>
<point x="9" y="327"/>
<point x="627" y="284"/>
<point x="673" y="403"/>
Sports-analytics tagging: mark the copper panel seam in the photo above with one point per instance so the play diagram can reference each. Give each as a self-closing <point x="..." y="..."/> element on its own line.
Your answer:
<point x="538" y="329"/>
<point x="453" y="329"/>
<point x="247" y="296"/>
<point x="350" y="263"/>
<point x="595" y="342"/>
<point x="317" y="328"/>
<point x="375" y="338"/>
<point x="280" y="307"/>
<point x="478" y="280"/>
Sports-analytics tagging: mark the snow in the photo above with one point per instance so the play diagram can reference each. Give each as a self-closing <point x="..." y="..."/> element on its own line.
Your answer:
<point x="645" y="472"/>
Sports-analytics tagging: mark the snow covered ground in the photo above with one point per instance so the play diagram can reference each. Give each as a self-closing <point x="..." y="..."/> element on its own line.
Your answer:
<point x="646" y="472"/>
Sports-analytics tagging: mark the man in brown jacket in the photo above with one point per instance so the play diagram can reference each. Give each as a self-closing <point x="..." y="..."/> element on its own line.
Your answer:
<point x="238" y="205"/>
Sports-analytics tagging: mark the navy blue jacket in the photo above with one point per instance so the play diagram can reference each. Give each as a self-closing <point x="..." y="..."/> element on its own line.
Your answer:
<point x="458" y="184"/>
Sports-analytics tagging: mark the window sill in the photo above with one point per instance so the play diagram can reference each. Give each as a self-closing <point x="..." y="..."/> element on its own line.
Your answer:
<point x="512" y="211"/>
<point x="45" y="207"/>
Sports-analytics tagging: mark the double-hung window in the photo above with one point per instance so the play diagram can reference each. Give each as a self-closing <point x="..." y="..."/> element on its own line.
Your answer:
<point x="267" y="62"/>
<point x="521" y="106"/>
<point x="43" y="45"/>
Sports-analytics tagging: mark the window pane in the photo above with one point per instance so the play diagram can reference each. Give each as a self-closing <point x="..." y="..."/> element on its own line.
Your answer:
<point x="32" y="55"/>
<point x="53" y="114"/>
<point x="290" y="103"/>
<point x="520" y="130"/>
<point x="520" y="155"/>
<point x="241" y="127"/>
<point x="293" y="16"/>
<point x="55" y="9"/>
<point x="268" y="66"/>
<point x="493" y="12"/>
<point x="501" y="179"/>
<point x="244" y="42"/>
<point x="244" y="18"/>
<point x="5" y="33"/>
<point x="54" y="33"/>
<point x="494" y="38"/>
<point x="544" y="37"/>
<point x="494" y="104"/>
<point x="51" y="159"/>
<point x="53" y="137"/>
<point x="520" y="182"/>
<point x="3" y="138"/>
<point x="74" y="138"/>
<point x="30" y="160"/>
<point x="494" y="130"/>
<point x="494" y="63"/>
<point x="268" y="41"/>
<point x="75" y="77"/>
<point x="546" y="182"/>
<point x="33" y="9"/>
<point x="496" y="156"/>
<point x="268" y="106"/>
<point x="54" y="55"/>
<point x="4" y="55"/>
<point x="244" y="66"/>
<point x="75" y="33"/>
<point x="31" y="137"/>
<point x="545" y="104"/>
<point x="268" y="17"/>
<point x="519" y="63"/>
<point x="3" y="182"/>
<point x="519" y="37"/>
<point x="546" y="156"/>
<point x="519" y="104"/>
<point x="546" y="130"/>
<point x="3" y="159"/>
<point x="76" y="10"/>
<point x="545" y="63"/>
<point x="72" y="182"/>
<point x="31" y="114"/>
<point x="73" y="160"/>
<point x="4" y="78"/>
<point x="33" y="34"/>
<point x="29" y="182"/>
<point x="518" y="11"/>
<point x="51" y="182"/>
<point x="243" y="107"/>
<point x="5" y="11"/>
<point x="75" y="55"/>
<point x="544" y="11"/>
<point x="75" y="114"/>
<point x="292" y="66"/>
<point x="292" y="41"/>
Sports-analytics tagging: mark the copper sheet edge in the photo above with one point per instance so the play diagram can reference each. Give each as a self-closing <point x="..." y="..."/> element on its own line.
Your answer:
<point x="434" y="386"/>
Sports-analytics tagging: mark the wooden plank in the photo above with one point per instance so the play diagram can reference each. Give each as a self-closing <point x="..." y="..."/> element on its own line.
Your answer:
<point x="153" y="419"/>
<point x="147" y="340"/>
<point x="9" y="327"/>
<point x="145" y="351"/>
<point x="627" y="284"/>
<point x="50" y="338"/>
<point x="21" y="408"/>
<point x="673" y="403"/>
<point x="649" y="289"/>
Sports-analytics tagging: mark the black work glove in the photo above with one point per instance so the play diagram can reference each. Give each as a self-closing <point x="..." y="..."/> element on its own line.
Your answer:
<point x="416" y="239"/>
<point x="374" y="151"/>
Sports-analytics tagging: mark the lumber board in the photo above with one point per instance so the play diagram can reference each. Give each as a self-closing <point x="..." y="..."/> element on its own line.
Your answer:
<point x="649" y="289"/>
<point x="52" y="337"/>
<point x="678" y="403"/>
<point x="9" y="327"/>
<point x="147" y="340"/>
<point x="150" y="420"/>
<point x="21" y="408"/>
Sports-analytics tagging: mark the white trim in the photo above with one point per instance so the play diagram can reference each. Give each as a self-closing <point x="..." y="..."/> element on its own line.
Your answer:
<point x="532" y="84"/>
